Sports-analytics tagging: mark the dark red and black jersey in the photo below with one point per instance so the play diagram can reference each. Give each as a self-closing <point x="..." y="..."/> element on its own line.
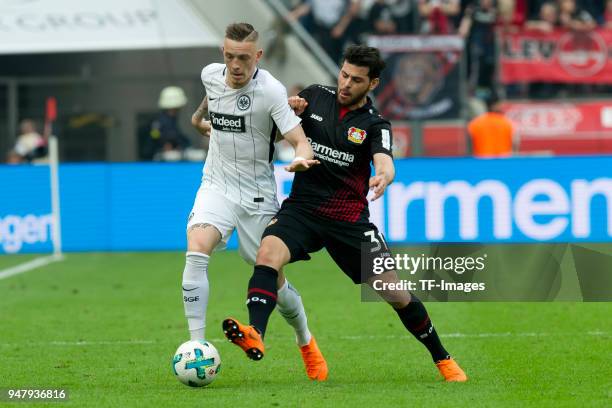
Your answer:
<point x="337" y="188"/>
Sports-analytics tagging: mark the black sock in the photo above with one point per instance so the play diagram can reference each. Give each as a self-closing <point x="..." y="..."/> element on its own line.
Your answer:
<point x="261" y="297"/>
<point x="415" y="318"/>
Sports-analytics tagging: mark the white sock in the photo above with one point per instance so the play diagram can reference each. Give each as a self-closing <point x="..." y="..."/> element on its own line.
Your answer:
<point x="290" y="306"/>
<point x="195" y="293"/>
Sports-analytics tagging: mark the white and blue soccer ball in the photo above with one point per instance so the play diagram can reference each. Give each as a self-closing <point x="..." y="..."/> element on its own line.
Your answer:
<point x="196" y="363"/>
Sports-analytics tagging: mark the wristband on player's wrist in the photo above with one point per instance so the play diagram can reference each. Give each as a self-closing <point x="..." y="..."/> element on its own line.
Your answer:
<point x="297" y="158"/>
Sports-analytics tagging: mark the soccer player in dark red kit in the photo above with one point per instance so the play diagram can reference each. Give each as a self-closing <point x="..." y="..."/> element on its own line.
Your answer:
<point x="328" y="208"/>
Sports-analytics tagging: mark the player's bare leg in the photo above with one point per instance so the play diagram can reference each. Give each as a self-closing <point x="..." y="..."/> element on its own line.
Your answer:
<point x="262" y="297"/>
<point x="415" y="318"/>
<point x="261" y="300"/>
<point x="201" y="240"/>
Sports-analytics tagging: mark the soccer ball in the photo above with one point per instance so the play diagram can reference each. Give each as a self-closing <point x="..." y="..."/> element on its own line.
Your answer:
<point x="196" y="363"/>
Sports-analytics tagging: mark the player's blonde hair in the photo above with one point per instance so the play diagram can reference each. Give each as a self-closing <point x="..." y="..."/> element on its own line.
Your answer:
<point x="241" y="32"/>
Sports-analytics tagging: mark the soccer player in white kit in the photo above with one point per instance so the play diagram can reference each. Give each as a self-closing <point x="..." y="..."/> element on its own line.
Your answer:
<point x="247" y="108"/>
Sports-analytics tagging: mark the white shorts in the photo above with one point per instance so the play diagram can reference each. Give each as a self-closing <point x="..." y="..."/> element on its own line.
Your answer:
<point x="214" y="208"/>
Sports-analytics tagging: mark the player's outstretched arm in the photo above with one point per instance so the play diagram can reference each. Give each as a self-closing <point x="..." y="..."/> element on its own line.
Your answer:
<point x="198" y="119"/>
<point x="304" y="156"/>
<point x="384" y="174"/>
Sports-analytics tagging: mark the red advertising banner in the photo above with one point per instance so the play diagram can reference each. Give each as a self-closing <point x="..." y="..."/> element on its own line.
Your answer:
<point x="563" y="128"/>
<point x="562" y="56"/>
<point x="439" y="139"/>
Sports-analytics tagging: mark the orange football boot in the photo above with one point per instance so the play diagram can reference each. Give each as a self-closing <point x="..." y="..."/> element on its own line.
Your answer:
<point x="316" y="366"/>
<point x="451" y="371"/>
<point x="245" y="337"/>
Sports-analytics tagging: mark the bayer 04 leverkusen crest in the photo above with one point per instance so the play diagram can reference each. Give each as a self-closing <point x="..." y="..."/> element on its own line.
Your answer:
<point x="356" y="135"/>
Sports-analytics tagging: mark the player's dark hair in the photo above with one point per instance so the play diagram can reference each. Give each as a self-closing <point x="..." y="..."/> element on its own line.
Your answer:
<point x="241" y="32"/>
<point x="364" y="56"/>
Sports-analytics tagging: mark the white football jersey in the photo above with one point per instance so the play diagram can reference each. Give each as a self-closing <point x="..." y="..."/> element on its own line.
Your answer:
<point x="244" y="122"/>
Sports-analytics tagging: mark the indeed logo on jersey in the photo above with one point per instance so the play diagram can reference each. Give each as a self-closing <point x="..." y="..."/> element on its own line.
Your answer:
<point x="227" y="123"/>
<point x="331" y="155"/>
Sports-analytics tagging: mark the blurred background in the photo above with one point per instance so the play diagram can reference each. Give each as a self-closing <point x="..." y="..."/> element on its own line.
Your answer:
<point x="524" y="83"/>
<point x="544" y="61"/>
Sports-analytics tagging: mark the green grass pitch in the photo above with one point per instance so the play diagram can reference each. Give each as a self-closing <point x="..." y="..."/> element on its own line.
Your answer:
<point x="105" y="327"/>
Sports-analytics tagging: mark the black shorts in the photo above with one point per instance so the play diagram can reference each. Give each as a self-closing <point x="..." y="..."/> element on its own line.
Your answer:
<point x="351" y="245"/>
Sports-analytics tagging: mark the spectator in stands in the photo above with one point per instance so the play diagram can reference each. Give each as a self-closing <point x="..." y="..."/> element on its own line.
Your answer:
<point x="548" y="19"/>
<point x="331" y="20"/>
<point x="595" y="8"/>
<point x="478" y="26"/>
<point x="30" y="147"/>
<point x="492" y="134"/>
<point x="391" y="17"/>
<point x="381" y="20"/>
<point x="513" y="13"/>
<point x="167" y="141"/>
<point x="607" y="15"/>
<point x="575" y="18"/>
<point x="437" y="15"/>
<point x="534" y="7"/>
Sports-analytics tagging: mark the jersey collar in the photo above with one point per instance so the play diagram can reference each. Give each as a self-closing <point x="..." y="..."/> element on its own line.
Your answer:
<point x="366" y="107"/>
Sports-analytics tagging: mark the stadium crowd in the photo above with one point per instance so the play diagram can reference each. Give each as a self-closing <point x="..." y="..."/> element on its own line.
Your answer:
<point x="417" y="87"/>
<point x="336" y="23"/>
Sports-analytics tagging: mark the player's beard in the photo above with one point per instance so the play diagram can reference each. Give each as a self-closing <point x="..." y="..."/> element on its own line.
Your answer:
<point x="354" y="100"/>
